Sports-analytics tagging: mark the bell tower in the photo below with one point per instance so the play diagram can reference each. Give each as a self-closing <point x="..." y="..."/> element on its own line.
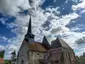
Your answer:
<point x="29" y="36"/>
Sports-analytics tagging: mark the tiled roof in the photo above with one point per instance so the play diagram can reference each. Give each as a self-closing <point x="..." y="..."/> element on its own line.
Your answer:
<point x="1" y="60"/>
<point x="37" y="47"/>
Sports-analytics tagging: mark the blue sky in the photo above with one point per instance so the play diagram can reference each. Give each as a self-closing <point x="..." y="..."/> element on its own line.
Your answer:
<point x="64" y="18"/>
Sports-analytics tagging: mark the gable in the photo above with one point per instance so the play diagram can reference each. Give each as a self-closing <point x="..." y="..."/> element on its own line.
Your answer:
<point x="59" y="43"/>
<point x="23" y="47"/>
<point x="22" y="53"/>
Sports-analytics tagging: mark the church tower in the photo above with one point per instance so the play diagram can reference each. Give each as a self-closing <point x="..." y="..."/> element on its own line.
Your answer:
<point x="29" y="36"/>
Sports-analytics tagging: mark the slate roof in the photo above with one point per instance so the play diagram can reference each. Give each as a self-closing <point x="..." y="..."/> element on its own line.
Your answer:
<point x="59" y="43"/>
<point x="1" y="61"/>
<point x="46" y="43"/>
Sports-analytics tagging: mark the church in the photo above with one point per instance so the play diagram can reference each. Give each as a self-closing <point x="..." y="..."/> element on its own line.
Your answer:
<point x="32" y="52"/>
<point x="60" y="53"/>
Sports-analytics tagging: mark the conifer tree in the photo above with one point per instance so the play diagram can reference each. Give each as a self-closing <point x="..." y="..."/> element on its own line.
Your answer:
<point x="13" y="58"/>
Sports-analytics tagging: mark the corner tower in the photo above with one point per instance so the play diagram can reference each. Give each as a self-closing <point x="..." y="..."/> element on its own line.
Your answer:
<point x="46" y="43"/>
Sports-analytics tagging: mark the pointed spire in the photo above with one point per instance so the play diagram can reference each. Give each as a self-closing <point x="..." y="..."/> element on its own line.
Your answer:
<point x="59" y="43"/>
<point x="29" y="27"/>
<point x="46" y="43"/>
<point x="29" y="34"/>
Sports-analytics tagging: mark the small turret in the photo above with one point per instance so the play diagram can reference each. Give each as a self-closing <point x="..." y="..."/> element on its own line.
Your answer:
<point x="46" y="43"/>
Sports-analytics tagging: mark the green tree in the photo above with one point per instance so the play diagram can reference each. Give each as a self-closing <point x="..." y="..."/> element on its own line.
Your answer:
<point x="2" y="54"/>
<point x="7" y="62"/>
<point x="80" y="59"/>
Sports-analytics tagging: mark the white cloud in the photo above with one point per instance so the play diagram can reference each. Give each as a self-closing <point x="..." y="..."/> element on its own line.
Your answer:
<point x="11" y="6"/>
<point x="35" y="4"/>
<point x="80" y="50"/>
<point x="79" y="27"/>
<point x="79" y="6"/>
<point x="3" y="38"/>
<point x="57" y="24"/>
<point x="2" y="20"/>
<point x="14" y="45"/>
<point x="2" y="47"/>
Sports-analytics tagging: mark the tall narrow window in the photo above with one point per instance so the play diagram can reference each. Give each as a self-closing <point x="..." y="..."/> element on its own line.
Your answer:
<point x="22" y="62"/>
<point x="66" y="54"/>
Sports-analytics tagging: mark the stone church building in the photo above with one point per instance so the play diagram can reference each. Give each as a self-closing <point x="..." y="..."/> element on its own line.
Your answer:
<point x="60" y="53"/>
<point x="32" y="52"/>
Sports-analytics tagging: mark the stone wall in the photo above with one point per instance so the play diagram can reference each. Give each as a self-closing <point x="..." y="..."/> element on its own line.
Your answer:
<point x="23" y="54"/>
<point x="36" y="57"/>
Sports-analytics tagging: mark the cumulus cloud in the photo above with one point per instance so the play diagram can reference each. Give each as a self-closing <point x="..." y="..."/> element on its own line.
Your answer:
<point x="81" y="40"/>
<point x="3" y="38"/>
<point x="11" y="6"/>
<point x="14" y="45"/>
<point x="40" y="17"/>
<point x="77" y="28"/>
<point x="2" y="47"/>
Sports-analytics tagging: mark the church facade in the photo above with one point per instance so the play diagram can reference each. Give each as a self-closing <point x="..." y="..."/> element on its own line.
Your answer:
<point x="32" y="52"/>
